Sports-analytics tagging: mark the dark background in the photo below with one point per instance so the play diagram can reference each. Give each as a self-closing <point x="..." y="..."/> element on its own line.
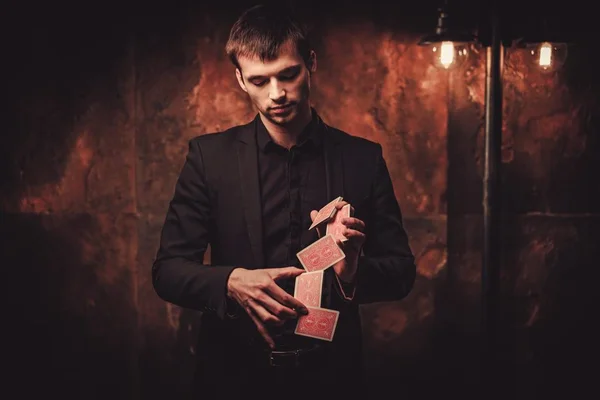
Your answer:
<point x="101" y="98"/>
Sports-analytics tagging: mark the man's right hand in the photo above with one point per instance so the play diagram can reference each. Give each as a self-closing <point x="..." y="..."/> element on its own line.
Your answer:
<point x="265" y="302"/>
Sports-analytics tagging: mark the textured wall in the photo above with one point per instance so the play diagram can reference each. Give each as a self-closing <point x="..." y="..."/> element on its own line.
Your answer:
<point x="188" y="87"/>
<point x="550" y="200"/>
<point x="97" y="133"/>
<point x="68" y="229"/>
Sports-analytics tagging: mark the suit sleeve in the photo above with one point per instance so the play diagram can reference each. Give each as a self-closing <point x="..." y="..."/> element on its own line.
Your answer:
<point x="178" y="273"/>
<point x="386" y="270"/>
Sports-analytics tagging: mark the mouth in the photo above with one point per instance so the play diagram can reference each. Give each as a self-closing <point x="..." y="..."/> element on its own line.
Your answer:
<point x="281" y="109"/>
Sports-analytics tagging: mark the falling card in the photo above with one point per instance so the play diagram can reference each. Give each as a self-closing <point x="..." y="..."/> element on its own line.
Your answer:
<point x="319" y="323"/>
<point x="309" y="287"/>
<point x="320" y="255"/>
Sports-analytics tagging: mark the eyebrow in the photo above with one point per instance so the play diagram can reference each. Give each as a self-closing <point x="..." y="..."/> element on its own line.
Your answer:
<point x="283" y="71"/>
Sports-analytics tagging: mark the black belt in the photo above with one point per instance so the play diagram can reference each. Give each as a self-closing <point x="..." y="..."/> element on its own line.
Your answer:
<point x="296" y="358"/>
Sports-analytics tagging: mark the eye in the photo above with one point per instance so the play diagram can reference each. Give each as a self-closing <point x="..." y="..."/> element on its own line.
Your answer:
<point x="259" y="82"/>
<point x="288" y="76"/>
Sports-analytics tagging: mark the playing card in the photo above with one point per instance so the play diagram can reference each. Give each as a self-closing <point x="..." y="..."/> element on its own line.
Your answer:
<point x="335" y="227"/>
<point x="320" y="255"/>
<point x="325" y="213"/>
<point x="319" y="323"/>
<point x="309" y="287"/>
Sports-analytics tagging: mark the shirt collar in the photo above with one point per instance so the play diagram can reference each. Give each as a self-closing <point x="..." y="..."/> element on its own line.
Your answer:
<point x="311" y="134"/>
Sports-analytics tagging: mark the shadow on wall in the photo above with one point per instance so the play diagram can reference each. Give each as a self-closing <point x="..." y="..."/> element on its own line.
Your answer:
<point x="64" y="334"/>
<point x="57" y="63"/>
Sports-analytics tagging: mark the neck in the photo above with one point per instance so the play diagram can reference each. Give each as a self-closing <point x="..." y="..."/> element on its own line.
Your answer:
<point x="287" y="135"/>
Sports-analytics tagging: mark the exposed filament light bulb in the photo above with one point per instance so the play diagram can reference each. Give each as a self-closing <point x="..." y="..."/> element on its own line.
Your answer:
<point x="545" y="59"/>
<point x="547" y="56"/>
<point x="449" y="55"/>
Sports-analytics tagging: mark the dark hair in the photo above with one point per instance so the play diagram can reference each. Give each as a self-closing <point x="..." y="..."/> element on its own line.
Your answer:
<point x="262" y="30"/>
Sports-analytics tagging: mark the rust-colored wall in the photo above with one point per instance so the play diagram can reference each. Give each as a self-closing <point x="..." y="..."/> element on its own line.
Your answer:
<point x="98" y="131"/>
<point x="68" y="230"/>
<point x="550" y="199"/>
<point x="391" y="95"/>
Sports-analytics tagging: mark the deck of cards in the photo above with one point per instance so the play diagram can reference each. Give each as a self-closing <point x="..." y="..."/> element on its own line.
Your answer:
<point x="320" y="323"/>
<point x="335" y="226"/>
<point x="326" y="213"/>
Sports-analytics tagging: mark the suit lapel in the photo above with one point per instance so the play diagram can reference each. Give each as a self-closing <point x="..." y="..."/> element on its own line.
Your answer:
<point x="249" y="184"/>
<point x="334" y="177"/>
<point x="334" y="163"/>
<point x="249" y="180"/>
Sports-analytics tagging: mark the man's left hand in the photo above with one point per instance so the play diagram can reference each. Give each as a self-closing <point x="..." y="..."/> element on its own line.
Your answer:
<point x="354" y="231"/>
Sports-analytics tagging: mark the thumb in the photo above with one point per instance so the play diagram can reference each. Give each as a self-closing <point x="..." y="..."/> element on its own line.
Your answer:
<point x="283" y="273"/>
<point x="313" y="215"/>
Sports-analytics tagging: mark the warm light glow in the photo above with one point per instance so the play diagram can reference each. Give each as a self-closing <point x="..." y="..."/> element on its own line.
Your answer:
<point x="447" y="54"/>
<point x="545" y="59"/>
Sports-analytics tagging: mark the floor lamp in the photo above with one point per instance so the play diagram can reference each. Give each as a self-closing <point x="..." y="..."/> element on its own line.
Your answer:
<point x="450" y="48"/>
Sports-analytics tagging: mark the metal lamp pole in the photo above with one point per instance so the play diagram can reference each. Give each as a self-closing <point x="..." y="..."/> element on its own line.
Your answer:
<point x="490" y="276"/>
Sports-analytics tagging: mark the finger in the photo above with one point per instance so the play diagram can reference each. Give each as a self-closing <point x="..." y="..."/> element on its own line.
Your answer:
<point x="261" y="328"/>
<point x="354" y="223"/>
<point x="284" y="273"/>
<point x="354" y="236"/>
<point x="343" y="203"/>
<point x="275" y="307"/>
<point x="285" y="299"/>
<point x="263" y="314"/>
<point x="313" y="215"/>
<point x="348" y="232"/>
<point x="340" y="204"/>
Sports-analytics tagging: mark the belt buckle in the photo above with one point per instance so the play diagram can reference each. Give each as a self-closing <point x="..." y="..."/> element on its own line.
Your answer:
<point x="276" y="358"/>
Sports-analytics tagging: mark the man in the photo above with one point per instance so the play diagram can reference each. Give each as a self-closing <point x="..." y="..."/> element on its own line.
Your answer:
<point x="251" y="192"/>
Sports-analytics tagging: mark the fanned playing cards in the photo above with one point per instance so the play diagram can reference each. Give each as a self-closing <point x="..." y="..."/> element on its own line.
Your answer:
<point x="325" y="213"/>
<point x="320" y="323"/>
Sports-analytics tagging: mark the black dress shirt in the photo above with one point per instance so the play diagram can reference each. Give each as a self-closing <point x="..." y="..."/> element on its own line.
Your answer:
<point x="292" y="183"/>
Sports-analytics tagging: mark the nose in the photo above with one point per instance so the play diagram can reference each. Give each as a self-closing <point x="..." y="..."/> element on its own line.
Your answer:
<point x="276" y="91"/>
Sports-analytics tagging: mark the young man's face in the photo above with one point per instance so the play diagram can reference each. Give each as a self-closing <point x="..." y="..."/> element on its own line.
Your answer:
<point x="278" y="88"/>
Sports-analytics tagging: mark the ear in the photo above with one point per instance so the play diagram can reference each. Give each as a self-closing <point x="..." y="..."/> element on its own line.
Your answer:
<point x="240" y="79"/>
<point x="312" y="62"/>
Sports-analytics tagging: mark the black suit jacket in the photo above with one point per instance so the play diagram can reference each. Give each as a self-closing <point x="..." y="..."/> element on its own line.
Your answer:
<point x="217" y="202"/>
